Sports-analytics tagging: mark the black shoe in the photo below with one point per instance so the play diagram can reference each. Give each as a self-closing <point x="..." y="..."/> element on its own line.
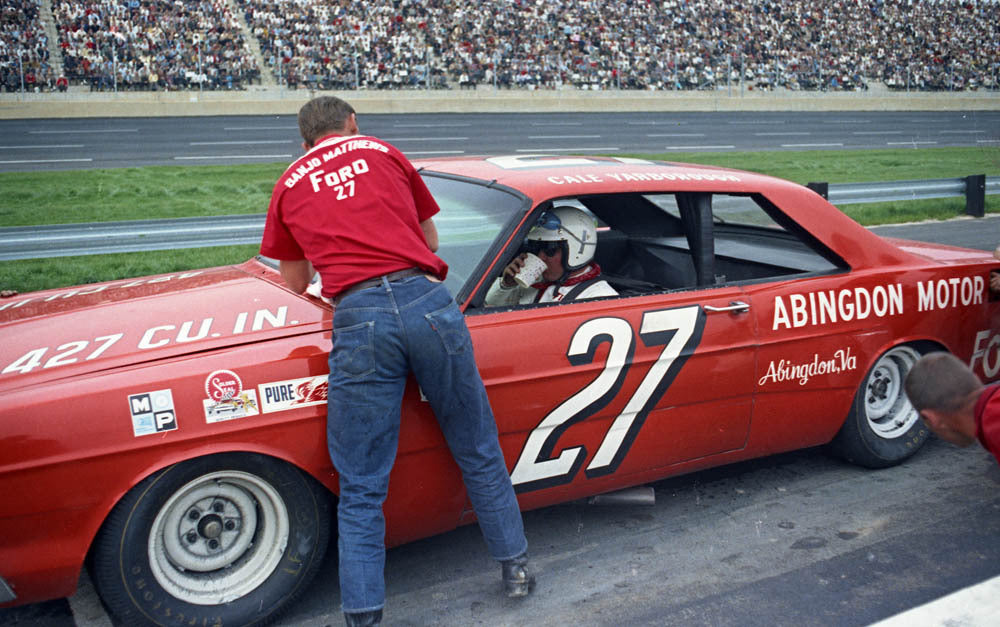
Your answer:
<point x="517" y="582"/>
<point x="363" y="619"/>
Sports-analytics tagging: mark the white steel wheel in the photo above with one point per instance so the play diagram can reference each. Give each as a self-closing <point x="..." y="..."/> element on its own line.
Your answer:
<point x="888" y="411"/>
<point x="228" y="539"/>
<point x="218" y="538"/>
<point x="882" y="428"/>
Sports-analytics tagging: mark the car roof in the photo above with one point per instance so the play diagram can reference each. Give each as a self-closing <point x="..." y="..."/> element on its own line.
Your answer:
<point x="575" y="175"/>
<point x="543" y="177"/>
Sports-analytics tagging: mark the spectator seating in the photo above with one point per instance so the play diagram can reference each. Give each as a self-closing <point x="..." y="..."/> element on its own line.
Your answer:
<point x="153" y="44"/>
<point x="510" y="44"/>
<point x="24" y="50"/>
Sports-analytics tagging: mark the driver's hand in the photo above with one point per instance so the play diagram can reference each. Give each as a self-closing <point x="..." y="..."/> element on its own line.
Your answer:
<point x="995" y="281"/>
<point x="512" y="268"/>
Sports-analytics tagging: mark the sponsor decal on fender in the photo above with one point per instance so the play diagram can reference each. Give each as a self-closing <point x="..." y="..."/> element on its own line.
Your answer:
<point x="788" y="370"/>
<point x="292" y="394"/>
<point x="226" y="398"/>
<point x="152" y="412"/>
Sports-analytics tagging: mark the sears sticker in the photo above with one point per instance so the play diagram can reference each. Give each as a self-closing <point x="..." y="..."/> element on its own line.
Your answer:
<point x="227" y="399"/>
<point x="152" y="412"/>
<point x="292" y="394"/>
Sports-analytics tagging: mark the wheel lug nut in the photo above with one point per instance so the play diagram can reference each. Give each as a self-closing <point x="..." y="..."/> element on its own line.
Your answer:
<point x="218" y="507"/>
<point x="192" y="537"/>
<point x="194" y="514"/>
<point x="230" y="525"/>
<point x="213" y="544"/>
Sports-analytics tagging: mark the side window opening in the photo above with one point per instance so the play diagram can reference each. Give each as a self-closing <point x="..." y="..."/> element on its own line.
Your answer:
<point x="701" y="240"/>
<point x="654" y="243"/>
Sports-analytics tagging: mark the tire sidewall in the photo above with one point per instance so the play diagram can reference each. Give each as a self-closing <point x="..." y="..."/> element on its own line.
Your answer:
<point x="858" y="443"/>
<point x="140" y="597"/>
<point x="885" y="452"/>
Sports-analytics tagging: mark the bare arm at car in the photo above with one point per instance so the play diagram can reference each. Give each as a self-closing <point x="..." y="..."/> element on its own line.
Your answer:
<point x="296" y="274"/>
<point x="430" y="234"/>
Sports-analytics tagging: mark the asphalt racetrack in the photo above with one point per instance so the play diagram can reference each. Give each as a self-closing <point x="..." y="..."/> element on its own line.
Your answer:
<point x="126" y="142"/>
<point x="794" y="539"/>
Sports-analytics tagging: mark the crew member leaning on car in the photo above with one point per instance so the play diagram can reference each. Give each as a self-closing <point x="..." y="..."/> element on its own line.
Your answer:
<point x="357" y="211"/>
<point x="954" y="403"/>
<point x="565" y="239"/>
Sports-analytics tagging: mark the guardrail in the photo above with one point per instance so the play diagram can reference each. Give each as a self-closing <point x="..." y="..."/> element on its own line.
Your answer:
<point x="974" y="188"/>
<point x="29" y="242"/>
<point x="98" y="238"/>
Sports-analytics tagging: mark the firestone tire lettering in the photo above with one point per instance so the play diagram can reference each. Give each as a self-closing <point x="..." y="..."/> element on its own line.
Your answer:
<point x="218" y="540"/>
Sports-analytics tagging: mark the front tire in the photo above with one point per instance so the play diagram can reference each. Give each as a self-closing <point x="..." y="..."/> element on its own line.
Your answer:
<point x="225" y="539"/>
<point x="882" y="428"/>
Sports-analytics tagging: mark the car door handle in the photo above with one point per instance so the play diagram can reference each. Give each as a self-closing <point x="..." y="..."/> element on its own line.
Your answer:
<point x="734" y="305"/>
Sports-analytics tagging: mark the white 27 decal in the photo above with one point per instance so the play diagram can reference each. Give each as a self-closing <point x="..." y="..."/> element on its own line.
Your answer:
<point x="677" y="330"/>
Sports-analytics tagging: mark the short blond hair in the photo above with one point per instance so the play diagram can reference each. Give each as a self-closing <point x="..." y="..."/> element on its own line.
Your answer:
<point x="940" y="381"/>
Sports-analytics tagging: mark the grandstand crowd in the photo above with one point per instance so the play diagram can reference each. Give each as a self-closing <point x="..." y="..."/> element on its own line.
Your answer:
<point x="24" y="47"/>
<point x="533" y="44"/>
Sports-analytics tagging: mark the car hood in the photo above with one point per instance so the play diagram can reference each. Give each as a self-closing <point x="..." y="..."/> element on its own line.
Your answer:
<point x="67" y="332"/>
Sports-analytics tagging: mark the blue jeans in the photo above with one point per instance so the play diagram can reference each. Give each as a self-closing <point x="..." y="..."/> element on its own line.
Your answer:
<point x="380" y="335"/>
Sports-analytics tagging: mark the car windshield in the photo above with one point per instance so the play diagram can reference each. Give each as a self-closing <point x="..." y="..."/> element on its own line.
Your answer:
<point x="472" y="216"/>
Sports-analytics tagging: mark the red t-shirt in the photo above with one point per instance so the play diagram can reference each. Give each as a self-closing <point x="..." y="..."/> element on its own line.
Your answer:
<point x="352" y="206"/>
<point x="988" y="420"/>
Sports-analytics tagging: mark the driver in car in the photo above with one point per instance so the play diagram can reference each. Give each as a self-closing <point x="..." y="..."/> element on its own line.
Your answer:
<point x="565" y="238"/>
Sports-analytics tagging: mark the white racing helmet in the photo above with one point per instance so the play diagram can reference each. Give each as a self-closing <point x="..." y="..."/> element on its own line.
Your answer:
<point x="573" y="228"/>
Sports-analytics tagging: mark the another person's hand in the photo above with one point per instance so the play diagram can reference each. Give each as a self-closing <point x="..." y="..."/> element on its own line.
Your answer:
<point x="995" y="281"/>
<point x="512" y="268"/>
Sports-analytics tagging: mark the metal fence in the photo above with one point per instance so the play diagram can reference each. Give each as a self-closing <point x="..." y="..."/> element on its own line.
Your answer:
<point x="28" y="242"/>
<point x="974" y="188"/>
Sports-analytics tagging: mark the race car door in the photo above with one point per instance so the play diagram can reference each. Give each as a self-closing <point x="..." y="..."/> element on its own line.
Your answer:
<point x="594" y="395"/>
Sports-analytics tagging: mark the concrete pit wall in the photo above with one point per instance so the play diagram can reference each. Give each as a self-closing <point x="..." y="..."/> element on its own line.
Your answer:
<point x="81" y="104"/>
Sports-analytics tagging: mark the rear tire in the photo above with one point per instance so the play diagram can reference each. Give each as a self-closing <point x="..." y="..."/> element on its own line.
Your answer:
<point x="882" y="428"/>
<point x="224" y="539"/>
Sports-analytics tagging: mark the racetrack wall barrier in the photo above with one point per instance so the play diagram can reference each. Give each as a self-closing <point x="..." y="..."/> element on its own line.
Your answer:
<point x="61" y="240"/>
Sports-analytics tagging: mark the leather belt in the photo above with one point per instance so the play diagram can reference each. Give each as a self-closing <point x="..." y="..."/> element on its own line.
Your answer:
<point x="376" y="281"/>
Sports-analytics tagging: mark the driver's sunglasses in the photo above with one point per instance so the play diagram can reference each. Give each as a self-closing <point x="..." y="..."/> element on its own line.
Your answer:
<point x="536" y="247"/>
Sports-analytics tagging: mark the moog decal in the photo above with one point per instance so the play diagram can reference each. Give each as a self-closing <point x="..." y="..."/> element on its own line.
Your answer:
<point x="679" y="331"/>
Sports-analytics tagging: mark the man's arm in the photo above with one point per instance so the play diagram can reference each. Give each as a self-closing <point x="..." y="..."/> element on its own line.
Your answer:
<point x="297" y="274"/>
<point x="430" y="234"/>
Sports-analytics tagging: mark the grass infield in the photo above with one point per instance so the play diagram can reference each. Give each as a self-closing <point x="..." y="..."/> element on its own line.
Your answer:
<point x="74" y="196"/>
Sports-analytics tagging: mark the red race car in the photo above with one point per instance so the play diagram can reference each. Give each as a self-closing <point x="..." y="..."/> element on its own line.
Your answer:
<point x="173" y="427"/>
